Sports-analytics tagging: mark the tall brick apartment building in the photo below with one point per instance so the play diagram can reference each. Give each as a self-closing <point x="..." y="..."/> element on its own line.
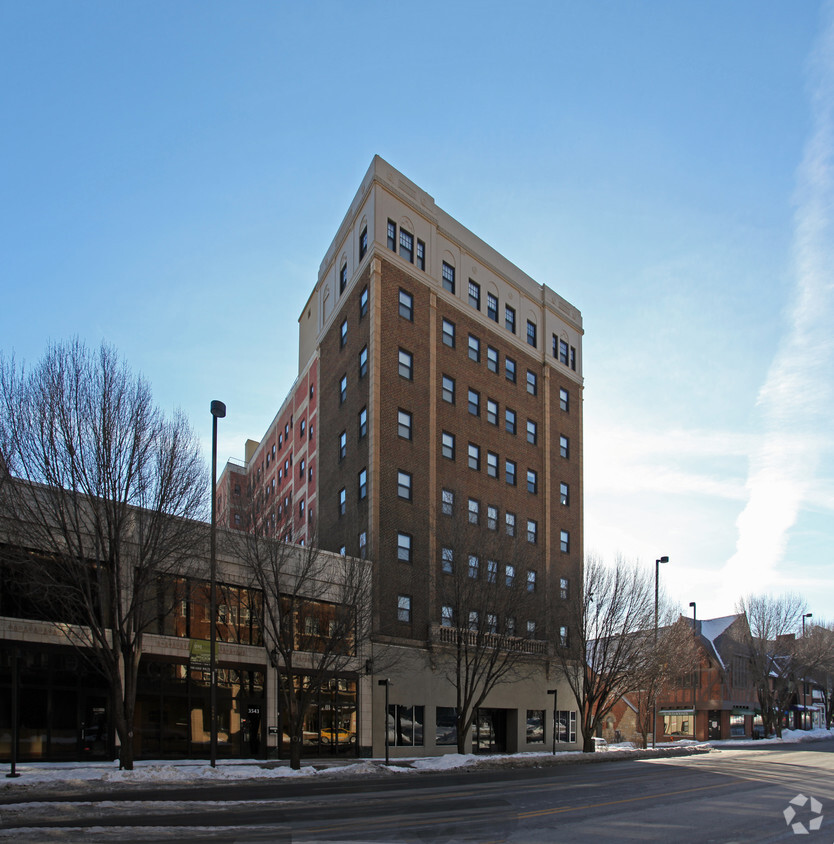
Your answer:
<point x="435" y="378"/>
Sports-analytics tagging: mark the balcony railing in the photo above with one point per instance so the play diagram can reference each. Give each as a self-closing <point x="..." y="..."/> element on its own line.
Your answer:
<point x="451" y="636"/>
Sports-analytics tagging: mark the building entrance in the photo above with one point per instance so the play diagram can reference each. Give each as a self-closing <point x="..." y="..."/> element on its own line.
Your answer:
<point x="490" y="731"/>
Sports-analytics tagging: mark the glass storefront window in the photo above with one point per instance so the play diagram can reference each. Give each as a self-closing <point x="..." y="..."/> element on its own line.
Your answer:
<point x="677" y="725"/>
<point x="445" y="726"/>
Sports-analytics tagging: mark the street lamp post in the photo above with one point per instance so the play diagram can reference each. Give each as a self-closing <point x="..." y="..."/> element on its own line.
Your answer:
<point x="695" y="671"/>
<point x="804" y="681"/>
<point x="555" y="693"/>
<point x="386" y="682"/>
<point x="657" y="564"/>
<point x="218" y="411"/>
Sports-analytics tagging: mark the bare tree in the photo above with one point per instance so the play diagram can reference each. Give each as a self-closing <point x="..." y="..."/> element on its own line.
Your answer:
<point x="486" y="602"/>
<point x="314" y="608"/>
<point x="102" y="495"/>
<point x="610" y="643"/>
<point x="773" y="621"/>
<point x="815" y="655"/>
<point x="663" y="659"/>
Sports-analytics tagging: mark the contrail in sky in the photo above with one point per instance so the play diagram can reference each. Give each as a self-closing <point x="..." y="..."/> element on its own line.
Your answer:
<point x="795" y="401"/>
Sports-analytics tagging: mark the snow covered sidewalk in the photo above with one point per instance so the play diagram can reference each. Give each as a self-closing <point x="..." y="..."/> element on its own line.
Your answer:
<point x="82" y="776"/>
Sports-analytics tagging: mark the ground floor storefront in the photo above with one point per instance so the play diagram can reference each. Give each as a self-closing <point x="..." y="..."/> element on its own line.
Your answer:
<point x="64" y="710"/>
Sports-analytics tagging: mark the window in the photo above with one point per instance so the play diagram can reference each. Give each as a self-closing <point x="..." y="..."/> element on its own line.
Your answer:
<point x="342" y="501"/>
<point x="573" y="358"/>
<point x="564" y="399"/>
<point x="492" y="622"/>
<point x="474" y="348"/>
<point x="300" y="431"/>
<point x="532" y="383"/>
<point x="445" y="727"/>
<point x="448" y="277"/>
<point x="405" y="725"/>
<point x="448" y="389"/>
<point x="492" y="464"/>
<point x="566" y="726"/>
<point x="509" y="369"/>
<point x="473" y="566"/>
<point x="363" y="545"/>
<point x="509" y="318"/>
<point x="474" y="511"/>
<point x="492" y="359"/>
<point x="564" y="637"/>
<point x="406" y="365"/>
<point x="532" y="531"/>
<point x="492" y="572"/>
<point x="407" y="246"/>
<point x="492" y="517"/>
<point x="404" y="485"/>
<point x="564" y="588"/>
<point x="342" y="445"/>
<point x="301" y="469"/>
<point x="363" y="302"/>
<point x="404" y="608"/>
<point x="474" y="620"/>
<point x="509" y="420"/>
<point x="509" y="575"/>
<point x="535" y="726"/>
<point x="363" y="243"/>
<point x="363" y="362"/>
<point x="404" y="547"/>
<point x="406" y="305"/>
<point x="492" y="307"/>
<point x="475" y="294"/>
<point x="449" y="333"/>
<point x="363" y="484"/>
<point x="475" y="457"/>
<point x="531" y="333"/>
<point x="532" y="481"/>
<point x="509" y="625"/>
<point x="531" y="581"/>
<point x="447" y="616"/>
<point x="510" y="472"/>
<point x="343" y="334"/>
<point x="509" y="522"/>
<point x="474" y="402"/>
<point x="447" y="502"/>
<point x="492" y="411"/>
<point x="363" y="422"/>
<point x="310" y="435"/>
<point x="564" y="541"/>
<point x="532" y="432"/>
<point x="447" y="560"/>
<point x="404" y="424"/>
<point x="564" y="497"/>
<point x="343" y="551"/>
<point x="342" y="389"/>
<point x="563" y="350"/>
<point x="392" y="235"/>
<point x="447" y="445"/>
<point x="421" y="255"/>
<point x="343" y="279"/>
<point x="564" y="446"/>
<point x="301" y="509"/>
<point x="531" y="629"/>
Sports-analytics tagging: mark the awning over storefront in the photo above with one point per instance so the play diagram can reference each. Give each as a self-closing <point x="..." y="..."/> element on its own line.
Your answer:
<point x="676" y="711"/>
<point x="741" y="711"/>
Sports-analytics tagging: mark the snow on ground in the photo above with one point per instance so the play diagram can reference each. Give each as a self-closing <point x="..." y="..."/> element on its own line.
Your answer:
<point x="191" y="772"/>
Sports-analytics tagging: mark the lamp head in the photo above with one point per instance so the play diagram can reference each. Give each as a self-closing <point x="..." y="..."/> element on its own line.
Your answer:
<point x="663" y="560"/>
<point x="218" y="409"/>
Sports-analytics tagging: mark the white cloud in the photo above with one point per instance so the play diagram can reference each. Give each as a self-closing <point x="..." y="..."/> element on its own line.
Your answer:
<point x="795" y="401"/>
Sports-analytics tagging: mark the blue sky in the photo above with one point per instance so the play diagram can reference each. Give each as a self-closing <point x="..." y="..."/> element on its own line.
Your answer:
<point x="172" y="174"/>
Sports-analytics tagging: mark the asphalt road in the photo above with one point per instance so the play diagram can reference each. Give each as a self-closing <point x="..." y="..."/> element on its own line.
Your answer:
<point x="737" y="795"/>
